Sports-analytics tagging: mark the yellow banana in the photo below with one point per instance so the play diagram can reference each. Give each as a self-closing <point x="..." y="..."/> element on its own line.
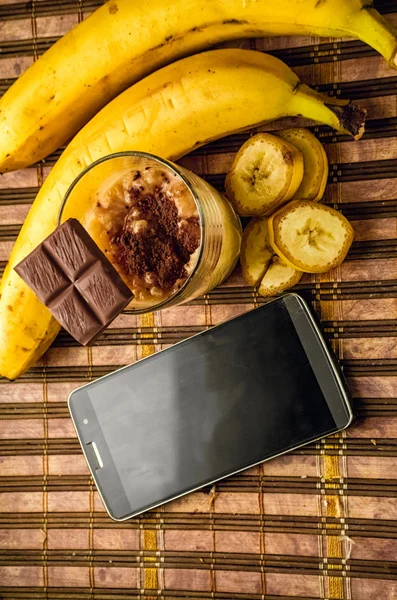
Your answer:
<point x="172" y="111"/>
<point x="124" y="40"/>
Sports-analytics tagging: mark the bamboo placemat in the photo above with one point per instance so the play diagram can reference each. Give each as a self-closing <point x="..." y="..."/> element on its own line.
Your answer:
<point x="318" y="523"/>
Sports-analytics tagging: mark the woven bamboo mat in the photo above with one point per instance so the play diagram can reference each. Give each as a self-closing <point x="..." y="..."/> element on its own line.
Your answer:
<point x="318" y="523"/>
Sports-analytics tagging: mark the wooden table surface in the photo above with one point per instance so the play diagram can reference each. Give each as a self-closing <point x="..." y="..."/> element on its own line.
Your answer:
<point x="318" y="523"/>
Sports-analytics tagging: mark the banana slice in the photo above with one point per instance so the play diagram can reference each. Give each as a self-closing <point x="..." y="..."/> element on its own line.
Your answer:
<point x="310" y="237"/>
<point x="266" y="172"/>
<point x="256" y="251"/>
<point x="278" y="278"/>
<point x="259" y="263"/>
<point x="315" y="163"/>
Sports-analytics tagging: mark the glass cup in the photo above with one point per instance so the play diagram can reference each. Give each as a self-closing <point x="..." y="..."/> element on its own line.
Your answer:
<point x="220" y="228"/>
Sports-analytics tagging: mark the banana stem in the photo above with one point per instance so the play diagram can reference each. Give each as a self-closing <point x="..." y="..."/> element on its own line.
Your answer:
<point x="370" y="27"/>
<point x="342" y="115"/>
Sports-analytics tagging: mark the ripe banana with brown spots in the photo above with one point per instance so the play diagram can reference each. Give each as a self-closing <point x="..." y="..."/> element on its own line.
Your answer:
<point x="125" y="40"/>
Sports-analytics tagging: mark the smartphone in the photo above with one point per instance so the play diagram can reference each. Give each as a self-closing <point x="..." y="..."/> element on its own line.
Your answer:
<point x="226" y="399"/>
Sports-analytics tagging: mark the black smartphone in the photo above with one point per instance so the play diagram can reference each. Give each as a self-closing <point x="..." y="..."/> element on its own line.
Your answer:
<point x="224" y="400"/>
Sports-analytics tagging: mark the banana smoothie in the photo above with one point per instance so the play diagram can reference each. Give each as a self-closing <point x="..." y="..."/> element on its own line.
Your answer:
<point x="168" y="233"/>
<point x="149" y="228"/>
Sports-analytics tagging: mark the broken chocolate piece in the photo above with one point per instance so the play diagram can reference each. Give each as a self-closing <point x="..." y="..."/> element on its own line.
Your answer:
<point x="75" y="280"/>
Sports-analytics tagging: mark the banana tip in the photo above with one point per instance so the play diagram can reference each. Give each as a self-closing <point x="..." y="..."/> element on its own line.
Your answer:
<point x="351" y="118"/>
<point x="360" y="132"/>
<point x="393" y="60"/>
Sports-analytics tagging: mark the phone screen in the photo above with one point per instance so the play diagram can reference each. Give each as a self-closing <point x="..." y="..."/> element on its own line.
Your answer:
<point x="210" y="406"/>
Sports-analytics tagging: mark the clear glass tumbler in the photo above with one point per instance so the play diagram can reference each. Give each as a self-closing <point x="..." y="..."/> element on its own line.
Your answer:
<point x="220" y="227"/>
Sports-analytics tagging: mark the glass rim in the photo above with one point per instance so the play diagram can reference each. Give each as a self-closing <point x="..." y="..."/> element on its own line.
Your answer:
<point x="182" y="176"/>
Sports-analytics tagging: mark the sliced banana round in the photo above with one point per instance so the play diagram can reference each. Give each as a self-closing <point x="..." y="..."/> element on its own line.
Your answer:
<point x="256" y="251"/>
<point x="278" y="278"/>
<point x="260" y="265"/>
<point x="315" y="161"/>
<point x="266" y="172"/>
<point x="310" y="237"/>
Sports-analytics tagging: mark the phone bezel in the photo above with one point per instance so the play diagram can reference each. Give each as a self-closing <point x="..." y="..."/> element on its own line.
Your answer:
<point x="333" y="370"/>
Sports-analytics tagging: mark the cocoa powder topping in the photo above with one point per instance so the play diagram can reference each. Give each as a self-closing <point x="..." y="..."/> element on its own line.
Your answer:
<point x="158" y="242"/>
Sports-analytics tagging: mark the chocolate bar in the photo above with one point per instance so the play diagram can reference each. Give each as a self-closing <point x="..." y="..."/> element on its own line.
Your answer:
<point x="74" y="279"/>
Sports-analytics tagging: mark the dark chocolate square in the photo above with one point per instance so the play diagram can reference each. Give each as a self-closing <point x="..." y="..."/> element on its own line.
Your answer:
<point x="42" y="275"/>
<point x="74" y="314"/>
<point x="72" y="248"/>
<point x="102" y="295"/>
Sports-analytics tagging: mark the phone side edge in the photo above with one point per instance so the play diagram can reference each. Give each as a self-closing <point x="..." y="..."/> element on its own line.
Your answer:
<point x="332" y="361"/>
